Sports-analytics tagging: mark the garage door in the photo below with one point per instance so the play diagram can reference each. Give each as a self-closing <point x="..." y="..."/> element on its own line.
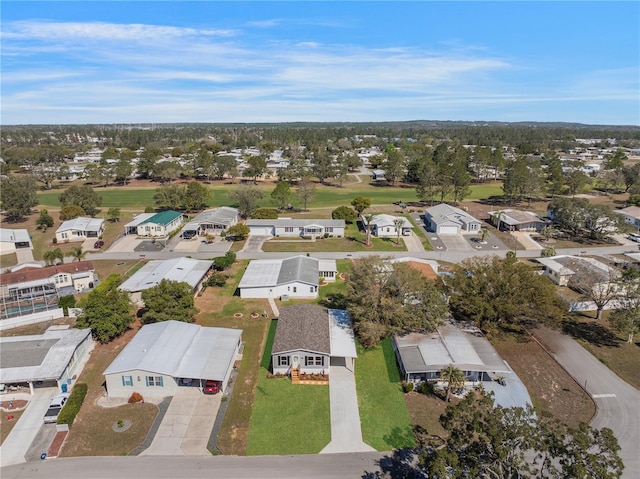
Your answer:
<point x="260" y="230"/>
<point x="448" y="230"/>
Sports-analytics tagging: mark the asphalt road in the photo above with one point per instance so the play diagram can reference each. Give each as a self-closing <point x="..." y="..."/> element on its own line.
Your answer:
<point x="618" y="403"/>
<point x="325" y="466"/>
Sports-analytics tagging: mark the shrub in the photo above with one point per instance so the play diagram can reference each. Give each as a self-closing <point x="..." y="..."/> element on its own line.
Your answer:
<point x="70" y="212"/>
<point x="265" y="214"/>
<point x="45" y="220"/>
<point x="135" y="397"/>
<point x="149" y="209"/>
<point x="71" y="408"/>
<point x="217" y="279"/>
<point x="344" y="213"/>
<point x="66" y="302"/>
<point x="426" y="388"/>
<point x="407" y="387"/>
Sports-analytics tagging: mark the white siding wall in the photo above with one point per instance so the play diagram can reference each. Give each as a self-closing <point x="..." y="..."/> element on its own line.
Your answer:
<point x="293" y="290"/>
<point x="115" y="387"/>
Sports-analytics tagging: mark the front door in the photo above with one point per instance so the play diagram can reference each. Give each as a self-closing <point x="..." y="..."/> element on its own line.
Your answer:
<point x="295" y="362"/>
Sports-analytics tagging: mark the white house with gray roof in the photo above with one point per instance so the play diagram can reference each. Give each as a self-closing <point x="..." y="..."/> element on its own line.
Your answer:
<point x="446" y="219"/>
<point x="54" y="358"/>
<point x="79" y="229"/>
<point x="211" y="221"/>
<point x="11" y="240"/>
<point x="188" y="270"/>
<point x="384" y="226"/>
<point x="296" y="277"/>
<point x="165" y="356"/>
<point x="311" y="338"/>
<point x="296" y="227"/>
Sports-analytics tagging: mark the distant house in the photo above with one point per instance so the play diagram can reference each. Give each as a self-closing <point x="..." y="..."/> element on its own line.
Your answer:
<point x="296" y="277"/>
<point x="562" y="269"/>
<point x="516" y="220"/>
<point x="446" y="219"/>
<point x="32" y="289"/>
<point x="211" y="221"/>
<point x="383" y="226"/>
<point x="54" y="358"/>
<point x="296" y="227"/>
<point x="79" y="229"/>
<point x="163" y="357"/>
<point x="11" y="240"/>
<point x="631" y="215"/>
<point x="378" y="175"/>
<point x="312" y="339"/>
<point x="160" y="224"/>
<point x="188" y="270"/>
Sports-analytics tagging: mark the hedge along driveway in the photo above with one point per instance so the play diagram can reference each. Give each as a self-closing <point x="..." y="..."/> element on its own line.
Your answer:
<point x="287" y="419"/>
<point x="383" y="411"/>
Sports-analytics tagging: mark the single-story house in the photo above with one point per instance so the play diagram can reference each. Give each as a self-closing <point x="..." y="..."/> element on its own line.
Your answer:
<point x="160" y="224"/>
<point x="79" y="229"/>
<point x="164" y="356"/>
<point x="131" y="228"/>
<point x="296" y="227"/>
<point x="311" y="339"/>
<point x="188" y="270"/>
<point x="296" y="277"/>
<point x="562" y="270"/>
<point x="55" y="357"/>
<point x="33" y="289"/>
<point x="421" y="356"/>
<point x="631" y="215"/>
<point x="446" y="219"/>
<point x="516" y="220"/>
<point x="211" y="221"/>
<point x="378" y="175"/>
<point x="383" y="226"/>
<point x="11" y="240"/>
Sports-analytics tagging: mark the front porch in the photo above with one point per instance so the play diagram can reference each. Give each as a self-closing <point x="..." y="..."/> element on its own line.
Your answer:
<point x="309" y="378"/>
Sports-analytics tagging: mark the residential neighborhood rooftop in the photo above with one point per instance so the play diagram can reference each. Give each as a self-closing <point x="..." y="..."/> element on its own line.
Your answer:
<point x="162" y="218"/>
<point x="303" y="326"/>
<point x="81" y="224"/>
<point x="272" y="272"/>
<point x="188" y="270"/>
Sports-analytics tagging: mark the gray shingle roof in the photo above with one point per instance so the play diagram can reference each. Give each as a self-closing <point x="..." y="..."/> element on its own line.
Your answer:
<point x="299" y="268"/>
<point x="303" y="326"/>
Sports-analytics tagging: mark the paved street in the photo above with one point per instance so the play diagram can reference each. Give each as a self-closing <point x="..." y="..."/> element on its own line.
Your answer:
<point x="321" y="466"/>
<point x="618" y="404"/>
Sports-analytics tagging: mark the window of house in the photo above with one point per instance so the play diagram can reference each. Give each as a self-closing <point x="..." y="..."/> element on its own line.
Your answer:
<point x="284" y="360"/>
<point x="127" y="380"/>
<point x="311" y="289"/>
<point x="288" y="229"/>
<point x="314" y="360"/>
<point x="329" y="229"/>
<point x="154" y="381"/>
<point x="295" y="289"/>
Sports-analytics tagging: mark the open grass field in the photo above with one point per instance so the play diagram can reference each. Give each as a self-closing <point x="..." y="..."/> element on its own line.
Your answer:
<point x="383" y="411"/>
<point x="217" y="307"/>
<point x="610" y="347"/>
<point x="92" y="433"/>
<point x="287" y="418"/>
<point x="551" y="388"/>
<point x="137" y="198"/>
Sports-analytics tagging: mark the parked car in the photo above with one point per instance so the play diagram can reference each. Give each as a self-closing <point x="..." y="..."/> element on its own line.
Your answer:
<point x="188" y="234"/>
<point x="55" y="406"/>
<point x="98" y="244"/>
<point x="211" y="387"/>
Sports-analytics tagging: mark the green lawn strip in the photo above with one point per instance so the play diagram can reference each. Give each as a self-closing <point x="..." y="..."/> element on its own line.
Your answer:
<point x="383" y="411"/>
<point x="287" y="418"/>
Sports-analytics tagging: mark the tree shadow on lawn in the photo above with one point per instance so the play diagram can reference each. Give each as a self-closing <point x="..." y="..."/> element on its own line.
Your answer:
<point x="593" y="333"/>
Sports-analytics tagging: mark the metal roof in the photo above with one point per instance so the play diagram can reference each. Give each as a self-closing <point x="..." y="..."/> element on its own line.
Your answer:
<point x="387" y="220"/>
<point x="82" y="224"/>
<point x="14" y="236"/>
<point x="327" y="265"/>
<point x="162" y="218"/>
<point x="468" y="351"/>
<point x="444" y="213"/>
<point x="189" y="270"/>
<point x="180" y="350"/>
<point x="516" y="217"/>
<point x="283" y="222"/>
<point x="343" y="343"/>
<point x="224" y="215"/>
<point x="141" y="218"/>
<point x="274" y="272"/>
<point x="41" y="357"/>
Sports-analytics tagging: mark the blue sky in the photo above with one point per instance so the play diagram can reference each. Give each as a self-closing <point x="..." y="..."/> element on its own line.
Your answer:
<point x="131" y="62"/>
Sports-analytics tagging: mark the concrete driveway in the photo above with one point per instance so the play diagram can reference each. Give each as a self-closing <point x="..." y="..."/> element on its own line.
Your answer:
<point x="254" y="244"/>
<point x="346" y="433"/>
<point x="17" y="444"/>
<point x="187" y="424"/>
<point x="413" y="243"/>
<point x="618" y="403"/>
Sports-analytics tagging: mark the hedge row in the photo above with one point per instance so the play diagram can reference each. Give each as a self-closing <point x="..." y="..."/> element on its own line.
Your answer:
<point x="72" y="406"/>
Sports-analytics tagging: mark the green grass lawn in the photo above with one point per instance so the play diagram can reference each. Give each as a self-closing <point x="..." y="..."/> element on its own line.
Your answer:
<point x="383" y="411"/>
<point x="287" y="419"/>
<point x="325" y="196"/>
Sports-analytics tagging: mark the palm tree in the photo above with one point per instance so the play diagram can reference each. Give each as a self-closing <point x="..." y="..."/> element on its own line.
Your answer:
<point x="484" y="234"/>
<point x="547" y="232"/>
<point x="398" y="223"/>
<point x="52" y="255"/>
<point x="454" y="378"/>
<point x="77" y="253"/>
<point x="368" y="218"/>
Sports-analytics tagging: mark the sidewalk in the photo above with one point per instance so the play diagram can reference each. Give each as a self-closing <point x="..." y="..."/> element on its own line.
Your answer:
<point x="346" y="434"/>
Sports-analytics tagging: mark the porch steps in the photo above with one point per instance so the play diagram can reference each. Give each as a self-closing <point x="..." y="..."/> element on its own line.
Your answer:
<point x="295" y="376"/>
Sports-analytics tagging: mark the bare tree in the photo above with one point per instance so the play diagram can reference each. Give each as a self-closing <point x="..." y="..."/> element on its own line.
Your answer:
<point x="594" y="283"/>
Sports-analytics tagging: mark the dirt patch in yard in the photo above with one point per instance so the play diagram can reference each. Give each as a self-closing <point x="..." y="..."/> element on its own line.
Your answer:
<point x="551" y="388"/>
<point x="425" y="411"/>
